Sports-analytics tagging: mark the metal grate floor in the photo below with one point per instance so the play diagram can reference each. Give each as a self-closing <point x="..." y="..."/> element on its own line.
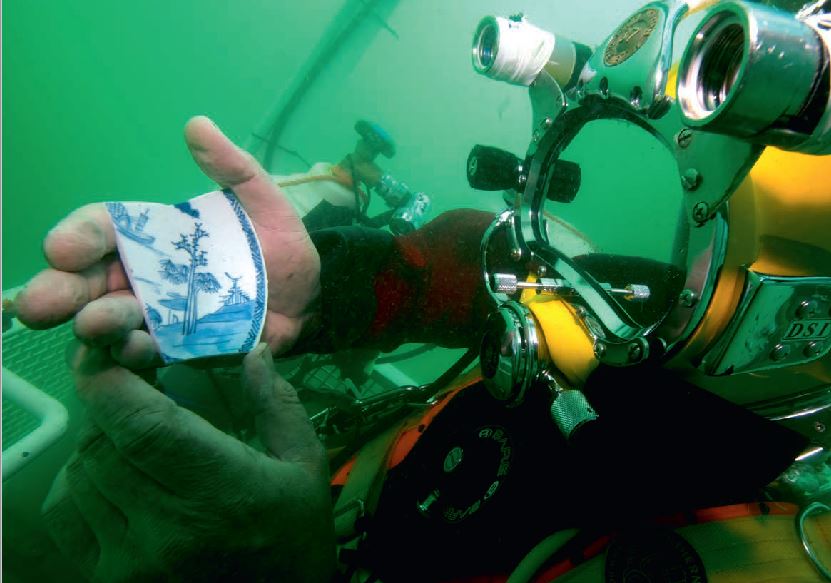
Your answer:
<point x="36" y="356"/>
<point x="324" y="376"/>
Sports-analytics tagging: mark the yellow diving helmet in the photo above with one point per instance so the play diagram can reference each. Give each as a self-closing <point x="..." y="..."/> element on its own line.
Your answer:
<point x="678" y="214"/>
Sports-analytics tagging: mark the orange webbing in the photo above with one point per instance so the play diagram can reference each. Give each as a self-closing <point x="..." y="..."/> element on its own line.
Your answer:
<point x="409" y="434"/>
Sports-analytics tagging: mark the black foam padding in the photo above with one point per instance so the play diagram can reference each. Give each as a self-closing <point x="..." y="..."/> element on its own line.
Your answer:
<point x="490" y="168"/>
<point x="660" y="446"/>
<point x="665" y="445"/>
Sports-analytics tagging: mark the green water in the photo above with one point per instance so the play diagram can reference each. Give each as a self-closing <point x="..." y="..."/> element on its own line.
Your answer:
<point x="95" y="95"/>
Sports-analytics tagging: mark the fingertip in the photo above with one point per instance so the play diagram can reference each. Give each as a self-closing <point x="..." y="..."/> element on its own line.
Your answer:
<point x="138" y="351"/>
<point x="259" y="356"/>
<point x="53" y="296"/>
<point x="70" y="353"/>
<point x="50" y="298"/>
<point x="85" y="361"/>
<point x="263" y="352"/>
<point x="282" y="332"/>
<point x="217" y="156"/>
<point x="81" y="239"/>
<point x="198" y="130"/>
<point x="57" y="492"/>
<point x="109" y="319"/>
<point x="199" y="121"/>
<point x="258" y="367"/>
<point x="280" y="416"/>
<point x="196" y="119"/>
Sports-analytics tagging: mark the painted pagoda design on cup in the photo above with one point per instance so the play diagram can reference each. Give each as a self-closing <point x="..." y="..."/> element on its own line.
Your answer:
<point x="198" y="272"/>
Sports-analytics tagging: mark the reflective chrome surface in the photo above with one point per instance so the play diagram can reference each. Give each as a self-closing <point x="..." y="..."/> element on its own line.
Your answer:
<point x="707" y="246"/>
<point x="811" y="509"/>
<point x="570" y="410"/>
<point x="509" y="357"/>
<point x="806" y="413"/>
<point x="771" y="327"/>
<point x="504" y="220"/>
<point x="634" y="62"/>
<point x="547" y="103"/>
<point x="511" y="49"/>
<point x="758" y="73"/>
<point x="708" y="166"/>
<point x="515" y="51"/>
<point x="624" y="84"/>
<point x="616" y="328"/>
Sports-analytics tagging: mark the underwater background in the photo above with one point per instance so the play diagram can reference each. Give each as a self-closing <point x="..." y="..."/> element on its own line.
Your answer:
<point x="96" y="94"/>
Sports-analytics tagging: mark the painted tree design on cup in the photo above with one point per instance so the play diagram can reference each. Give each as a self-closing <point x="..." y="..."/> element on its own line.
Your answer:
<point x="197" y="281"/>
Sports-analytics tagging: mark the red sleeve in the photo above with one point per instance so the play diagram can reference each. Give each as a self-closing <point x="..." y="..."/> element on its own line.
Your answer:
<point x="431" y="286"/>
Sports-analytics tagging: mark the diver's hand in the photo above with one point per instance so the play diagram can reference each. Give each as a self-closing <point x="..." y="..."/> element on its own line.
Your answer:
<point x="156" y="493"/>
<point x="87" y="278"/>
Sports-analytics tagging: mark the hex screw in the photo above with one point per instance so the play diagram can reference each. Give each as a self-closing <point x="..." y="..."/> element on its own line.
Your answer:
<point x="806" y="309"/>
<point x="516" y="254"/>
<point x="691" y="179"/>
<point x="780" y="352"/>
<point x="688" y="298"/>
<point x="701" y="211"/>
<point x="819" y="426"/>
<point x="431" y="499"/>
<point x="547" y="122"/>
<point x="604" y="87"/>
<point x="599" y="350"/>
<point x="635" y="96"/>
<point x="684" y="137"/>
<point x="813" y="349"/>
<point x="635" y="352"/>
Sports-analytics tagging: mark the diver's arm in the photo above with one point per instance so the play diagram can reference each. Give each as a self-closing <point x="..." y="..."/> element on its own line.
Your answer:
<point x="380" y="291"/>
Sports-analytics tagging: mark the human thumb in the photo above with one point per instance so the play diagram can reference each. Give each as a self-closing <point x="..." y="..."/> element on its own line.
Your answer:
<point x="281" y="420"/>
<point x="232" y="167"/>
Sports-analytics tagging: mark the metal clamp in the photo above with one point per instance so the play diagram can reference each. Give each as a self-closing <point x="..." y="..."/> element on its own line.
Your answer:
<point x="504" y="219"/>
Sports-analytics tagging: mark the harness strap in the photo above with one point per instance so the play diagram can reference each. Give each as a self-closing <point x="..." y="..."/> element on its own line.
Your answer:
<point x="363" y="485"/>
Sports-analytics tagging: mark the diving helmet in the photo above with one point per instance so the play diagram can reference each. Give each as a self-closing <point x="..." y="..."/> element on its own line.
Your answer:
<point x="677" y="213"/>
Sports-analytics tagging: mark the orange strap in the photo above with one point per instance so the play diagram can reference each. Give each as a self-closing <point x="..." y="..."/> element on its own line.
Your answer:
<point x="411" y="433"/>
<point x="403" y="441"/>
<point x="362" y="484"/>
